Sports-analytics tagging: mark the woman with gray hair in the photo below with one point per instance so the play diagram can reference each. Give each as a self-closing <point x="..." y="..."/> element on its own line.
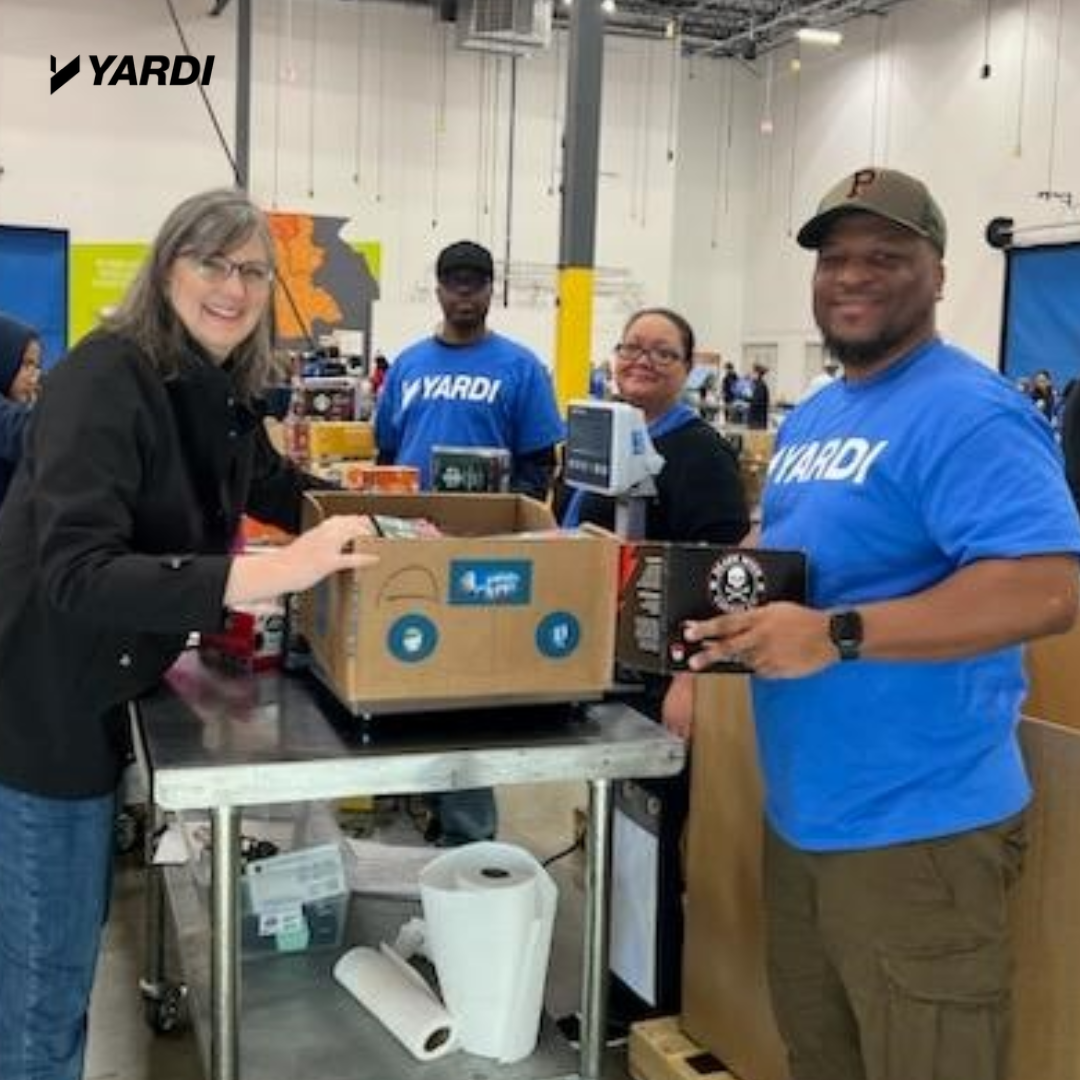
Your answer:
<point x="115" y="543"/>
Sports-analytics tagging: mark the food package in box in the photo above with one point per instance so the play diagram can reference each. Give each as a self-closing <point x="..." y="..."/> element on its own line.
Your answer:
<point x="340" y="440"/>
<point x="332" y="397"/>
<point x="364" y="476"/>
<point x="470" y="469"/>
<point x="293" y="892"/>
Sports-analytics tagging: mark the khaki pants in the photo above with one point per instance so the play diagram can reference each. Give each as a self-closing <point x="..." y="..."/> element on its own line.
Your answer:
<point x="894" y="963"/>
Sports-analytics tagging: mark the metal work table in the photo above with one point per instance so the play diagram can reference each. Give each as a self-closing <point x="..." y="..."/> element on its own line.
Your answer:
<point x="218" y="742"/>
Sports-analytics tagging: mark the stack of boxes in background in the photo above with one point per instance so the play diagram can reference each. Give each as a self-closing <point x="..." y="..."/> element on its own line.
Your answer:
<point x="324" y="435"/>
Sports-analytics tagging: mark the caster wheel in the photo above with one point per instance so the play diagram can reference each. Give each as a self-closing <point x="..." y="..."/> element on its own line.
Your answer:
<point x="164" y="1011"/>
<point x="128" y="832"/>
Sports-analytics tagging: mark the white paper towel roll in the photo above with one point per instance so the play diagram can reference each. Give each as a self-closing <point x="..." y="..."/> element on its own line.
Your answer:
<point x="398" y="997"/>
<point x="489" y="910"/>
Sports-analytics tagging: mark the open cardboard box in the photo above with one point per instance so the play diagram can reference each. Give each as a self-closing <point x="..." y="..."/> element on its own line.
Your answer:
<point x="479" y="617"/>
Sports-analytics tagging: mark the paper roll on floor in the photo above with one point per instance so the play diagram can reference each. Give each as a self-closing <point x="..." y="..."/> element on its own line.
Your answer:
<point x="397" y="996"/>
<point x="489" y="910"/>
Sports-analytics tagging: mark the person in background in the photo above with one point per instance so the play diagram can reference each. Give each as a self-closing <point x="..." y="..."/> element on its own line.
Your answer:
<point x="600" y="380"/>
<point x="467" y="386"/>
<point x="115" y="543"/>
<point x="830" y="371"/>
<point x="20" y="370"/>
<point x="699" y="499"/>
<point x="757" y="412"/>
<point x="887" y="707"/>
<point x="379" y="367"/>
<point x="699" y="493"/>
<point x="729" y="389"/>
<point x="1070" y="438"/>
<point x="1041" y="391"/>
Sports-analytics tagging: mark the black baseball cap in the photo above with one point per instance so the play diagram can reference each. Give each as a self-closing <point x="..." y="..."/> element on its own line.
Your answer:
<point x="465" y="255"/>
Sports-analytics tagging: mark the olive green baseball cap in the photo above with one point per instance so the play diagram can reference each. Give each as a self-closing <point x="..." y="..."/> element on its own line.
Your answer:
<point x="887" y="193"/>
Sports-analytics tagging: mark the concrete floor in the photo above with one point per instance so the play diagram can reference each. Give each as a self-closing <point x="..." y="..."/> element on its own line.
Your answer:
<point x="122" y="1046"/>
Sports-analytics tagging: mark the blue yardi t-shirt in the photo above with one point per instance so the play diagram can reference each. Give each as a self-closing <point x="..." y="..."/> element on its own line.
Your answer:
<point x="493" y="392"/>
<point x="890" y="485"/>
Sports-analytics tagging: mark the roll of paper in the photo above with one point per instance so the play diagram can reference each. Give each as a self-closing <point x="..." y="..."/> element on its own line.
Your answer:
<point x="397" y="996"/>
<point x="489" y="910"/>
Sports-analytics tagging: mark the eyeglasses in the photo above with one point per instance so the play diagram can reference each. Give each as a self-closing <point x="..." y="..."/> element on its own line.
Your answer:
<point x="659" y="355"/>
<point x="217" y="269"/>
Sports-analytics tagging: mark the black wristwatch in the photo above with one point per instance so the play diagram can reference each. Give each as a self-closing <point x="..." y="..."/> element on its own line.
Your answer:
<point x="846" y="633"/>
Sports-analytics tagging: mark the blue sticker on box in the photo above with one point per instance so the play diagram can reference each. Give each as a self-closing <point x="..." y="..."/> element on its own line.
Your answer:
<point x="412" y="638"/>
<point x="491" y="582"/>
<point x="558" y="635"/>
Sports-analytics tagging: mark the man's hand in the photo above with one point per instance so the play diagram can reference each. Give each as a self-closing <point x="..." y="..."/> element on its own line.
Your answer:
<point x="778" y="641"/>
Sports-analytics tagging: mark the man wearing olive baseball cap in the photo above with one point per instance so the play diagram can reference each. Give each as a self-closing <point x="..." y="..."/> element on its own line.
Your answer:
<point x="889" y="194"/>
<point x="929" y="498"/>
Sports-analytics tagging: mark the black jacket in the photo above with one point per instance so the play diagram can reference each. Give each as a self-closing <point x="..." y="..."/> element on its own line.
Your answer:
<point x="114" y="545"/>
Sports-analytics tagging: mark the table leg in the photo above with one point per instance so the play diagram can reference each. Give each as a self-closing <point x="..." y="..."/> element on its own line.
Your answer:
<point x="594" y="974"/>
<point x="225" y="944"/>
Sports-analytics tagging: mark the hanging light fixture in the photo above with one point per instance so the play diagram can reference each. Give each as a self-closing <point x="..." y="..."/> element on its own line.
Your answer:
<point x="815" y="35"/>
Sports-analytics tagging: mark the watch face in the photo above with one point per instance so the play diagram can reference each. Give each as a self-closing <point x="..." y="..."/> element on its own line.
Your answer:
<point x="846" y="631"/>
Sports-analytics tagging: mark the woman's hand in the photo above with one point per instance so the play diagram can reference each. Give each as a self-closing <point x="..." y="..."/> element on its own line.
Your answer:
<point x="312" y="556"/>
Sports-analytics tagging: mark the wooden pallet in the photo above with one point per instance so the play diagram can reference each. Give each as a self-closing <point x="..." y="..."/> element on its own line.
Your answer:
<point x="659" y="1050"/>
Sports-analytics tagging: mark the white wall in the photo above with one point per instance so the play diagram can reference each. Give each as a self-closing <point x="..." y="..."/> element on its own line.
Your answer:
<point x="698" y="207"/>
<point x="906" y="91"/>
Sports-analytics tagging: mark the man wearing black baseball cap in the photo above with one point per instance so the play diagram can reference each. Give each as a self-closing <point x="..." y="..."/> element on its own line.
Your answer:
<point x="466" y="386"/>
<point x="462" y="258"/>
<point x="928" y="496"/>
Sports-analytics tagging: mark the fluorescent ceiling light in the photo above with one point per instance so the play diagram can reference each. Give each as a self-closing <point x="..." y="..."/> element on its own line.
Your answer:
<point x="812" y="35"/>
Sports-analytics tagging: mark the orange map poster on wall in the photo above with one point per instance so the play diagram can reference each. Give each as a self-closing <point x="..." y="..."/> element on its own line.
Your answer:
<point x="324" y="284"/>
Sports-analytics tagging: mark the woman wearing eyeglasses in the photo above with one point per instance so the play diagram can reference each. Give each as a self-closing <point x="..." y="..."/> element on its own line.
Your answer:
<point x="699" y="491"/>
<point x="699" y="497"/>
<point x="115" y="542"/>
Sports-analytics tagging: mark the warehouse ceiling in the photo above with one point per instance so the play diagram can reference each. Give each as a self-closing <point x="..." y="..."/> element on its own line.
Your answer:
<point x="742" y="28"/>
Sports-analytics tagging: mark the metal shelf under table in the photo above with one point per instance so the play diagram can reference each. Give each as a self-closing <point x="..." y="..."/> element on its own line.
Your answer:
<point x="214" y="741"/>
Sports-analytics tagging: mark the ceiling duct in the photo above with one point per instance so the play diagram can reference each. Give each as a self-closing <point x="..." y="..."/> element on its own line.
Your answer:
<point x="504" y="26"/>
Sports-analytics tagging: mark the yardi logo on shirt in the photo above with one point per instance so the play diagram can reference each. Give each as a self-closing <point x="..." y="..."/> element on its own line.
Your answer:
<point x="833" y="459"/>
<point x="450" y="388"/>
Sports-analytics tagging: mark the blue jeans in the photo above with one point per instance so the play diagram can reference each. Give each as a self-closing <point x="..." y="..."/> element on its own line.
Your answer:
<point x="55" y="875"/>
<point x="465" y="816"/>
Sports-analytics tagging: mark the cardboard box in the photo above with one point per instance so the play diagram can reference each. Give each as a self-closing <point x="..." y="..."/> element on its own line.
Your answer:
<point x="662" y="585"/>
<point x="659" y="1050"/>
<point x="480" y="616"/>
<point x="725" y="997"/>
<point x="726" y="1005"/>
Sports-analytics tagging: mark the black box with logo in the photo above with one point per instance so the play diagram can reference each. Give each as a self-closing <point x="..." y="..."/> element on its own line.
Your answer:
<point x="470" y="470"/>
<point x="661" y="585"/>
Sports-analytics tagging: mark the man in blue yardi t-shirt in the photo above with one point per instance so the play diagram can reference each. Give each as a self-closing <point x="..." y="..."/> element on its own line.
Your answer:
<point x="930" y="500"/>
<point x="469" y="386"/>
